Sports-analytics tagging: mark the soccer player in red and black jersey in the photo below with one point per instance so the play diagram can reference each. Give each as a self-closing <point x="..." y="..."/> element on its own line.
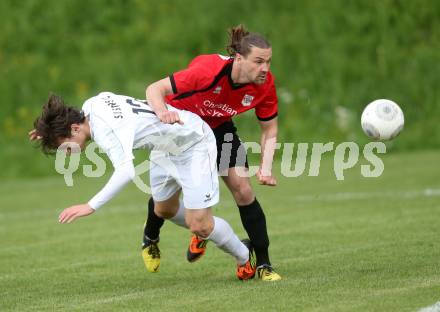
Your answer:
<point x="217" y="88"/>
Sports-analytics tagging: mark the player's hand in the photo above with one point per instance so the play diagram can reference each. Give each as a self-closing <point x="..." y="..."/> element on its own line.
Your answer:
<point x="169" y="117"/>
<point x="33" y="135"/>
<point x="70" y="214"/>
<point x="269" y="180"/>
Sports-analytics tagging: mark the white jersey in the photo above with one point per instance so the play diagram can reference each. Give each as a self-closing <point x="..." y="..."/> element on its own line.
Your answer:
<point x="121" y="123"/>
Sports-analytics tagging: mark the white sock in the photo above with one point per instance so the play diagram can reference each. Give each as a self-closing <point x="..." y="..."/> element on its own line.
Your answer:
<point x="179" y="218"/>
<point x="224" y="238"/>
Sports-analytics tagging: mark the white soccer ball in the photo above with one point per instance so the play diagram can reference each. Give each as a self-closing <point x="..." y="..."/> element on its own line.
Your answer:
<point x="382" y="120"/>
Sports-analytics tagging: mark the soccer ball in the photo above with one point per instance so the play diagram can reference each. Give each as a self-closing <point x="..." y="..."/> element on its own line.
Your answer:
<point x="382" y="120"/>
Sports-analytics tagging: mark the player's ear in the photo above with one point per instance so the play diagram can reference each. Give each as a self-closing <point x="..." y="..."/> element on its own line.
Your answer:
<point x="238" y="57"/>
<point x="74" y="128"/>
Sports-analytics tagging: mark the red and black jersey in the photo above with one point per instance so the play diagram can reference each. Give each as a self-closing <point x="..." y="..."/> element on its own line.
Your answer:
<point x="206" y="89"/>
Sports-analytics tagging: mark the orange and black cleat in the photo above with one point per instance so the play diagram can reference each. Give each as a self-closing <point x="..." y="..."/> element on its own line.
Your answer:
<point x="247" y="270"/>
<point x="196" y="249"/>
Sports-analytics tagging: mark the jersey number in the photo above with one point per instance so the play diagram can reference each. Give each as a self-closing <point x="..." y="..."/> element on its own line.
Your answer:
<point x="136" y="107"/>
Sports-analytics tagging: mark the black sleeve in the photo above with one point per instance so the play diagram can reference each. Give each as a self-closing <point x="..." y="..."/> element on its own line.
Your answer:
<point x="173" y="84"/>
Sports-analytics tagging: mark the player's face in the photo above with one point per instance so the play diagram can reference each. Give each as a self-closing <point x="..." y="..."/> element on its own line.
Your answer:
<point x="256" y="64"/>
<point x="77" y="141"/>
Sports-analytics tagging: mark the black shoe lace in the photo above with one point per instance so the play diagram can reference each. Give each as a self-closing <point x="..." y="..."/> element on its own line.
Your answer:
<point x="154" y="251"/>
<point x="265" y="269"/>
<point x="202" y="244"/>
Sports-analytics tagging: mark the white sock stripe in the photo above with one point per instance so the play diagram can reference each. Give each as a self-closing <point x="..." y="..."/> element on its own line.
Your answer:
<point x="152" y="240"/>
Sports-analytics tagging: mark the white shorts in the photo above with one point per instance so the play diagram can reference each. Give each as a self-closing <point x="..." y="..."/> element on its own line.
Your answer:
<point x="194" y="171"/>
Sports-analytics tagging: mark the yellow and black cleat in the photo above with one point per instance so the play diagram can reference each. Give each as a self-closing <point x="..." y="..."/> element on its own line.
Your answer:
<point x="151" y="255"/>
<point x="266" y="273"/>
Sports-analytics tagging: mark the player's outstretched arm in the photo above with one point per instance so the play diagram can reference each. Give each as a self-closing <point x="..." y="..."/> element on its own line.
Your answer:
<point x="120" y="177"/>
<point x="72" y="213"/>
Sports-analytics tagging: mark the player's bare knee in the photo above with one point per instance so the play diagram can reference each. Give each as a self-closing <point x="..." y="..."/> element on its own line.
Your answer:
<point x="164" y="213"/>
<point x="200" y="226"/>
<point x="244" y="194"/>
<point x="201" y="229"/>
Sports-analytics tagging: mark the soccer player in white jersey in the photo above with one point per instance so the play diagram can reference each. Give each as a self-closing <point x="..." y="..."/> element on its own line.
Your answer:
<point x="182" y="159"/>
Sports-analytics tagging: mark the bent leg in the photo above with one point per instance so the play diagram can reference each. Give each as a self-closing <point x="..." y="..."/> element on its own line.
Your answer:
<point x="163" y="188"/>
<point x="251" y="213"/>
<point x="153" y="224"/>
<point x="203" y="224"/>
<point x="170" y="209"/>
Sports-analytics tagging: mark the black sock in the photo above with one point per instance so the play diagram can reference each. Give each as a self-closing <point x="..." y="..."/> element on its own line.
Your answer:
<point x="154" y="223"/>
<point x="254" y="222"/>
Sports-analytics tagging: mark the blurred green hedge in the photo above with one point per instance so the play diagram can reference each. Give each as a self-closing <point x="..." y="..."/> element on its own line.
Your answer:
<point x="330" y="59"/>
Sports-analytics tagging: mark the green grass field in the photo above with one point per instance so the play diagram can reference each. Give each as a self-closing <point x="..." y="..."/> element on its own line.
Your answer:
<point x="354" y="245"/>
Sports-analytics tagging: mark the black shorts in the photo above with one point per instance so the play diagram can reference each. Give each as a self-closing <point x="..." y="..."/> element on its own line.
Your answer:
<point x="230" y="150"/>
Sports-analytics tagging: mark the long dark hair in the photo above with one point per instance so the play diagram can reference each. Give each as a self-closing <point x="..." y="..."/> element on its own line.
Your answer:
<point x="55" y="123"/>
<point x="241" y="41"/>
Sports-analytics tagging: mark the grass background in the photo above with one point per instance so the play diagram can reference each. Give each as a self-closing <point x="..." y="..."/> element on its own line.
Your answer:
<point x="359" y="244"/>
<point x="354" y="245"/>
<point x="330" y="59"/>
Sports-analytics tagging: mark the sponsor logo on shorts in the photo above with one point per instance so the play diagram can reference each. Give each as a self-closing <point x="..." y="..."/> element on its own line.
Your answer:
<point x="208" y="197"/>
